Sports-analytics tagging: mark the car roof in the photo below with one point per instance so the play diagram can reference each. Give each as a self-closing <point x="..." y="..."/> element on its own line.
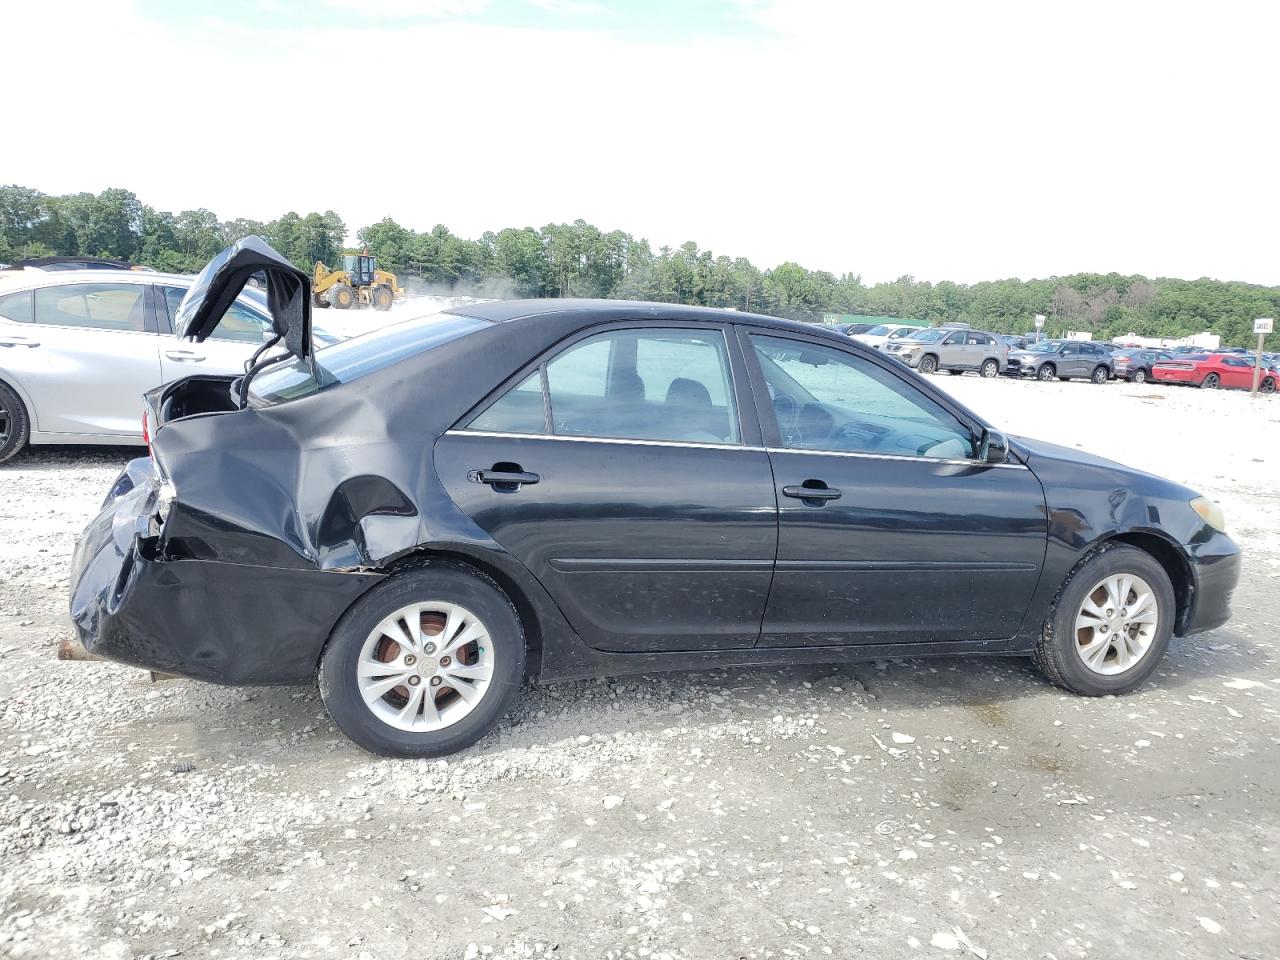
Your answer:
<point x="21" y="279"/>
<point x="505" y="311"/>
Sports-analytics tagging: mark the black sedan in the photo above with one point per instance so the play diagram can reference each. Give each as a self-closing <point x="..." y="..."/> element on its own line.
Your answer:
<point x="423" y="516"/>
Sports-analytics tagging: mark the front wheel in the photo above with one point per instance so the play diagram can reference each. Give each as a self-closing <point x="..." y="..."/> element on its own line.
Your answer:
<point x="341" y="296"/>
<point x="1100" y="374"/>
<point x="928" y="364"/>
<point x="15" y="426"/>
<point x="990" y="368"/>
<point x="1111" y="623"/>
<point x="1268" y="385"/>
<point x="1210" y="382"/>
<point x="425" y="664"/>
<point x="1139" y="376"/>
<point x="1046" y="373"/>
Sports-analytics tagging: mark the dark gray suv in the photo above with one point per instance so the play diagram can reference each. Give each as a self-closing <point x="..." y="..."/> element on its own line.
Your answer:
<point x="1063" y="359"/>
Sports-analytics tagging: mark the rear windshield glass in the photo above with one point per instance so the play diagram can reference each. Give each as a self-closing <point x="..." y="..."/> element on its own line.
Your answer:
<point x="354" y="358"/>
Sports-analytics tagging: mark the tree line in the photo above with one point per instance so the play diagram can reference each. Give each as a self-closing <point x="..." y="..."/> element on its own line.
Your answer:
<point x="579" y="260"/>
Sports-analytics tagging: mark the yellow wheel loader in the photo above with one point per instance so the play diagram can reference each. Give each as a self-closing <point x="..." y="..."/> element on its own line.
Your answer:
<point x="358" y="283"/>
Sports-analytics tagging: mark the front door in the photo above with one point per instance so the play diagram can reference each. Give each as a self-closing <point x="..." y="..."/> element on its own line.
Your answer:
<point x="617" y="473"/>
<point x="890" y="530"/>
<point x="95" y="356"/>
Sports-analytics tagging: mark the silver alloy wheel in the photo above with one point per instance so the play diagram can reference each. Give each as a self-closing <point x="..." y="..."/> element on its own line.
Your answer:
<point x="6" y="424"/>
<point x="990" y="368"/>
<point x="425" y="667"/>
<point x="1139" y="376"/>
<point x="1046" y="372"/>
<point x="1100" y="375"/>
<point x="1116" y="624"/>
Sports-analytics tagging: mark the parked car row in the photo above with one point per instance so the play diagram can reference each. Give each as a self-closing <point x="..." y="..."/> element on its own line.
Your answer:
<point x="956" y="348"/>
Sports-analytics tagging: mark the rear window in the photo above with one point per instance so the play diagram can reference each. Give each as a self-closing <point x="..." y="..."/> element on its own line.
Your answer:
<point x="360" y="356"/>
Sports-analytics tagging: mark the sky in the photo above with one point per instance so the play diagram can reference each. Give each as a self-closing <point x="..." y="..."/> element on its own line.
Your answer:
<point x="944" y="140"/>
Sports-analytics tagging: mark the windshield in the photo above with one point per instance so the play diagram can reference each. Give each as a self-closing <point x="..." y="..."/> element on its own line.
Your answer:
<point x="1045" y="346"/>
<point x="928" y="336"/>
<point x="359" y="356"/>
<point x="879" y="331"/>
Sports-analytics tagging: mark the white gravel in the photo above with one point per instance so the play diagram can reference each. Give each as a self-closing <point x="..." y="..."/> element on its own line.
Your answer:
<point x="891" y="809"/>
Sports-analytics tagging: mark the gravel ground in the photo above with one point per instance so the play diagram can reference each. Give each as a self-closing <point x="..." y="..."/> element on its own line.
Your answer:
<point x="890" y="809"/>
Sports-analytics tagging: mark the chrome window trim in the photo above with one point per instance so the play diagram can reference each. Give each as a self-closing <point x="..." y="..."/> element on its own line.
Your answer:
<point x="684" y="444"/>
<point x="502" y="435"/>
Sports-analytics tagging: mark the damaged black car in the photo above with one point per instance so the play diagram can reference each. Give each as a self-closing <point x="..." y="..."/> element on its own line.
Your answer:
<point x="422" y="517"/>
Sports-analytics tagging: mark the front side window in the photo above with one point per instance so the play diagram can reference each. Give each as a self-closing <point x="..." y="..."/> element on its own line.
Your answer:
<point x="16" y="307"/>
<point x="644" y="384"/>
<point x="956" y="339"/>
<point x="99" y="306"/>
<point x="826" y="399"/>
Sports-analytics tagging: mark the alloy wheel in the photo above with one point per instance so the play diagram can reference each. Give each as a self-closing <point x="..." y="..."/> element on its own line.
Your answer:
<point x="1100" y="375"/>
<point x="6" y="425"/>
<point x="1268" y="385"/>
<point x="1046" y="372"/>
<point x="1211" y="382"/>
<point x="425" y="667"/>
<point x="1116" y="624"/>
<point x="990" y="369"/>
<point x="1139" y="376"/>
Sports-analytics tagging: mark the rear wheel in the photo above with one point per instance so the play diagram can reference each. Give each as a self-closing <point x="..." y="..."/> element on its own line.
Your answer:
<point x="1110" y="625"/>
<point x="319" y="301"/>
<point x="342" y="296"/>
<point x="382" y="298"/>
<point x="15" y="426"/>
<point x="928" y="363"/>
<point x="425" y="664"/>
<point x="1046" y="373"/>
<point x="990" y="368"/>
<point x="1210" y="382"/>
<point x="1100" y="374"/>
<point x="1139" y="376"/>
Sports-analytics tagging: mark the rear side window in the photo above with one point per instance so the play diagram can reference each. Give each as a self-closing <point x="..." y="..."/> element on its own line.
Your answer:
<point x="16" y="306"/>
<point x="238" y="323"/>
<point x="648" y="384"/>
<point x="98" y="306"/>
<point x="360" y="356"/>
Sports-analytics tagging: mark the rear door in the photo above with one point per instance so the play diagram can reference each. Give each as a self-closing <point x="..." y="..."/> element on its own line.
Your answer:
<point x="237" y="335"/>
<point x="889" y="528"/>
<point x="625" y="472"/>
<point x="95" y="354"/>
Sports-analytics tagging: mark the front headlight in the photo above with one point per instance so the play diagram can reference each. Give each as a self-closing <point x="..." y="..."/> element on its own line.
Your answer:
<point x="1210" y="512"/>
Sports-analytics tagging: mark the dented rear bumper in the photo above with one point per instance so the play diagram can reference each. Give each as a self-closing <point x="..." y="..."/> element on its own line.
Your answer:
<point x="232" y="623"/>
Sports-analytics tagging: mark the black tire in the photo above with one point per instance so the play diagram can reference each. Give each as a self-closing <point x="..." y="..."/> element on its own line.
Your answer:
<point x="1046" y="373"/>
<point x="1139" y="376"/>
<point x="1210" y="382"/>
<point x="436" y="582"/>
<point x="928" y="363"/>
<point x="15" y="423"/>
<point x="1268" y="385"/>
<point x="989" y="369"/>
<point x="1055" y="652"/>
<point x="1100" y="374"/>
<point x="319" y="301"/>
<point x="341" y="296"/>
<point x="382" y="298"/>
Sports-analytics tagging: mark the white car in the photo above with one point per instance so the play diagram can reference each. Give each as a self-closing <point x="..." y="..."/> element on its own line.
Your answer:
<point x="78" y="348"/>
<point x="878" y="336"/>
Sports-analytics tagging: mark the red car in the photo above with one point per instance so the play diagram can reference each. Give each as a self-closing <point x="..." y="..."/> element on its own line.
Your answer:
<point x="1213" y="370"/>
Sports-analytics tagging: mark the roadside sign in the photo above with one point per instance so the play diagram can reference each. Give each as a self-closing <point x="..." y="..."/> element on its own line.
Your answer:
<point x="1264" y="325"/>
<point x="1040" y="321"/>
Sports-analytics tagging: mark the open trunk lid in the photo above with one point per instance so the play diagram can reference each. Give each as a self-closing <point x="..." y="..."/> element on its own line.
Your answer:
<point x="224" y="277"/>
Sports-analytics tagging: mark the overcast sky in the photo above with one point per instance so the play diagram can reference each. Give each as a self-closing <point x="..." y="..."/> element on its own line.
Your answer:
<point x="957" y="140"/>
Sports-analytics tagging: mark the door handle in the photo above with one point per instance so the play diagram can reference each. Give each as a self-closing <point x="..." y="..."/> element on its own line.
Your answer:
<point x="18" y="342"/>
<point x="184" y="356"/>
<point x="812" y="490"/>
<point x="504" y="481"/>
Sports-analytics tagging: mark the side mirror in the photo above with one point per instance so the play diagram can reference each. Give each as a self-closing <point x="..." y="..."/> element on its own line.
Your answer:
<point x="994" y="447"/>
